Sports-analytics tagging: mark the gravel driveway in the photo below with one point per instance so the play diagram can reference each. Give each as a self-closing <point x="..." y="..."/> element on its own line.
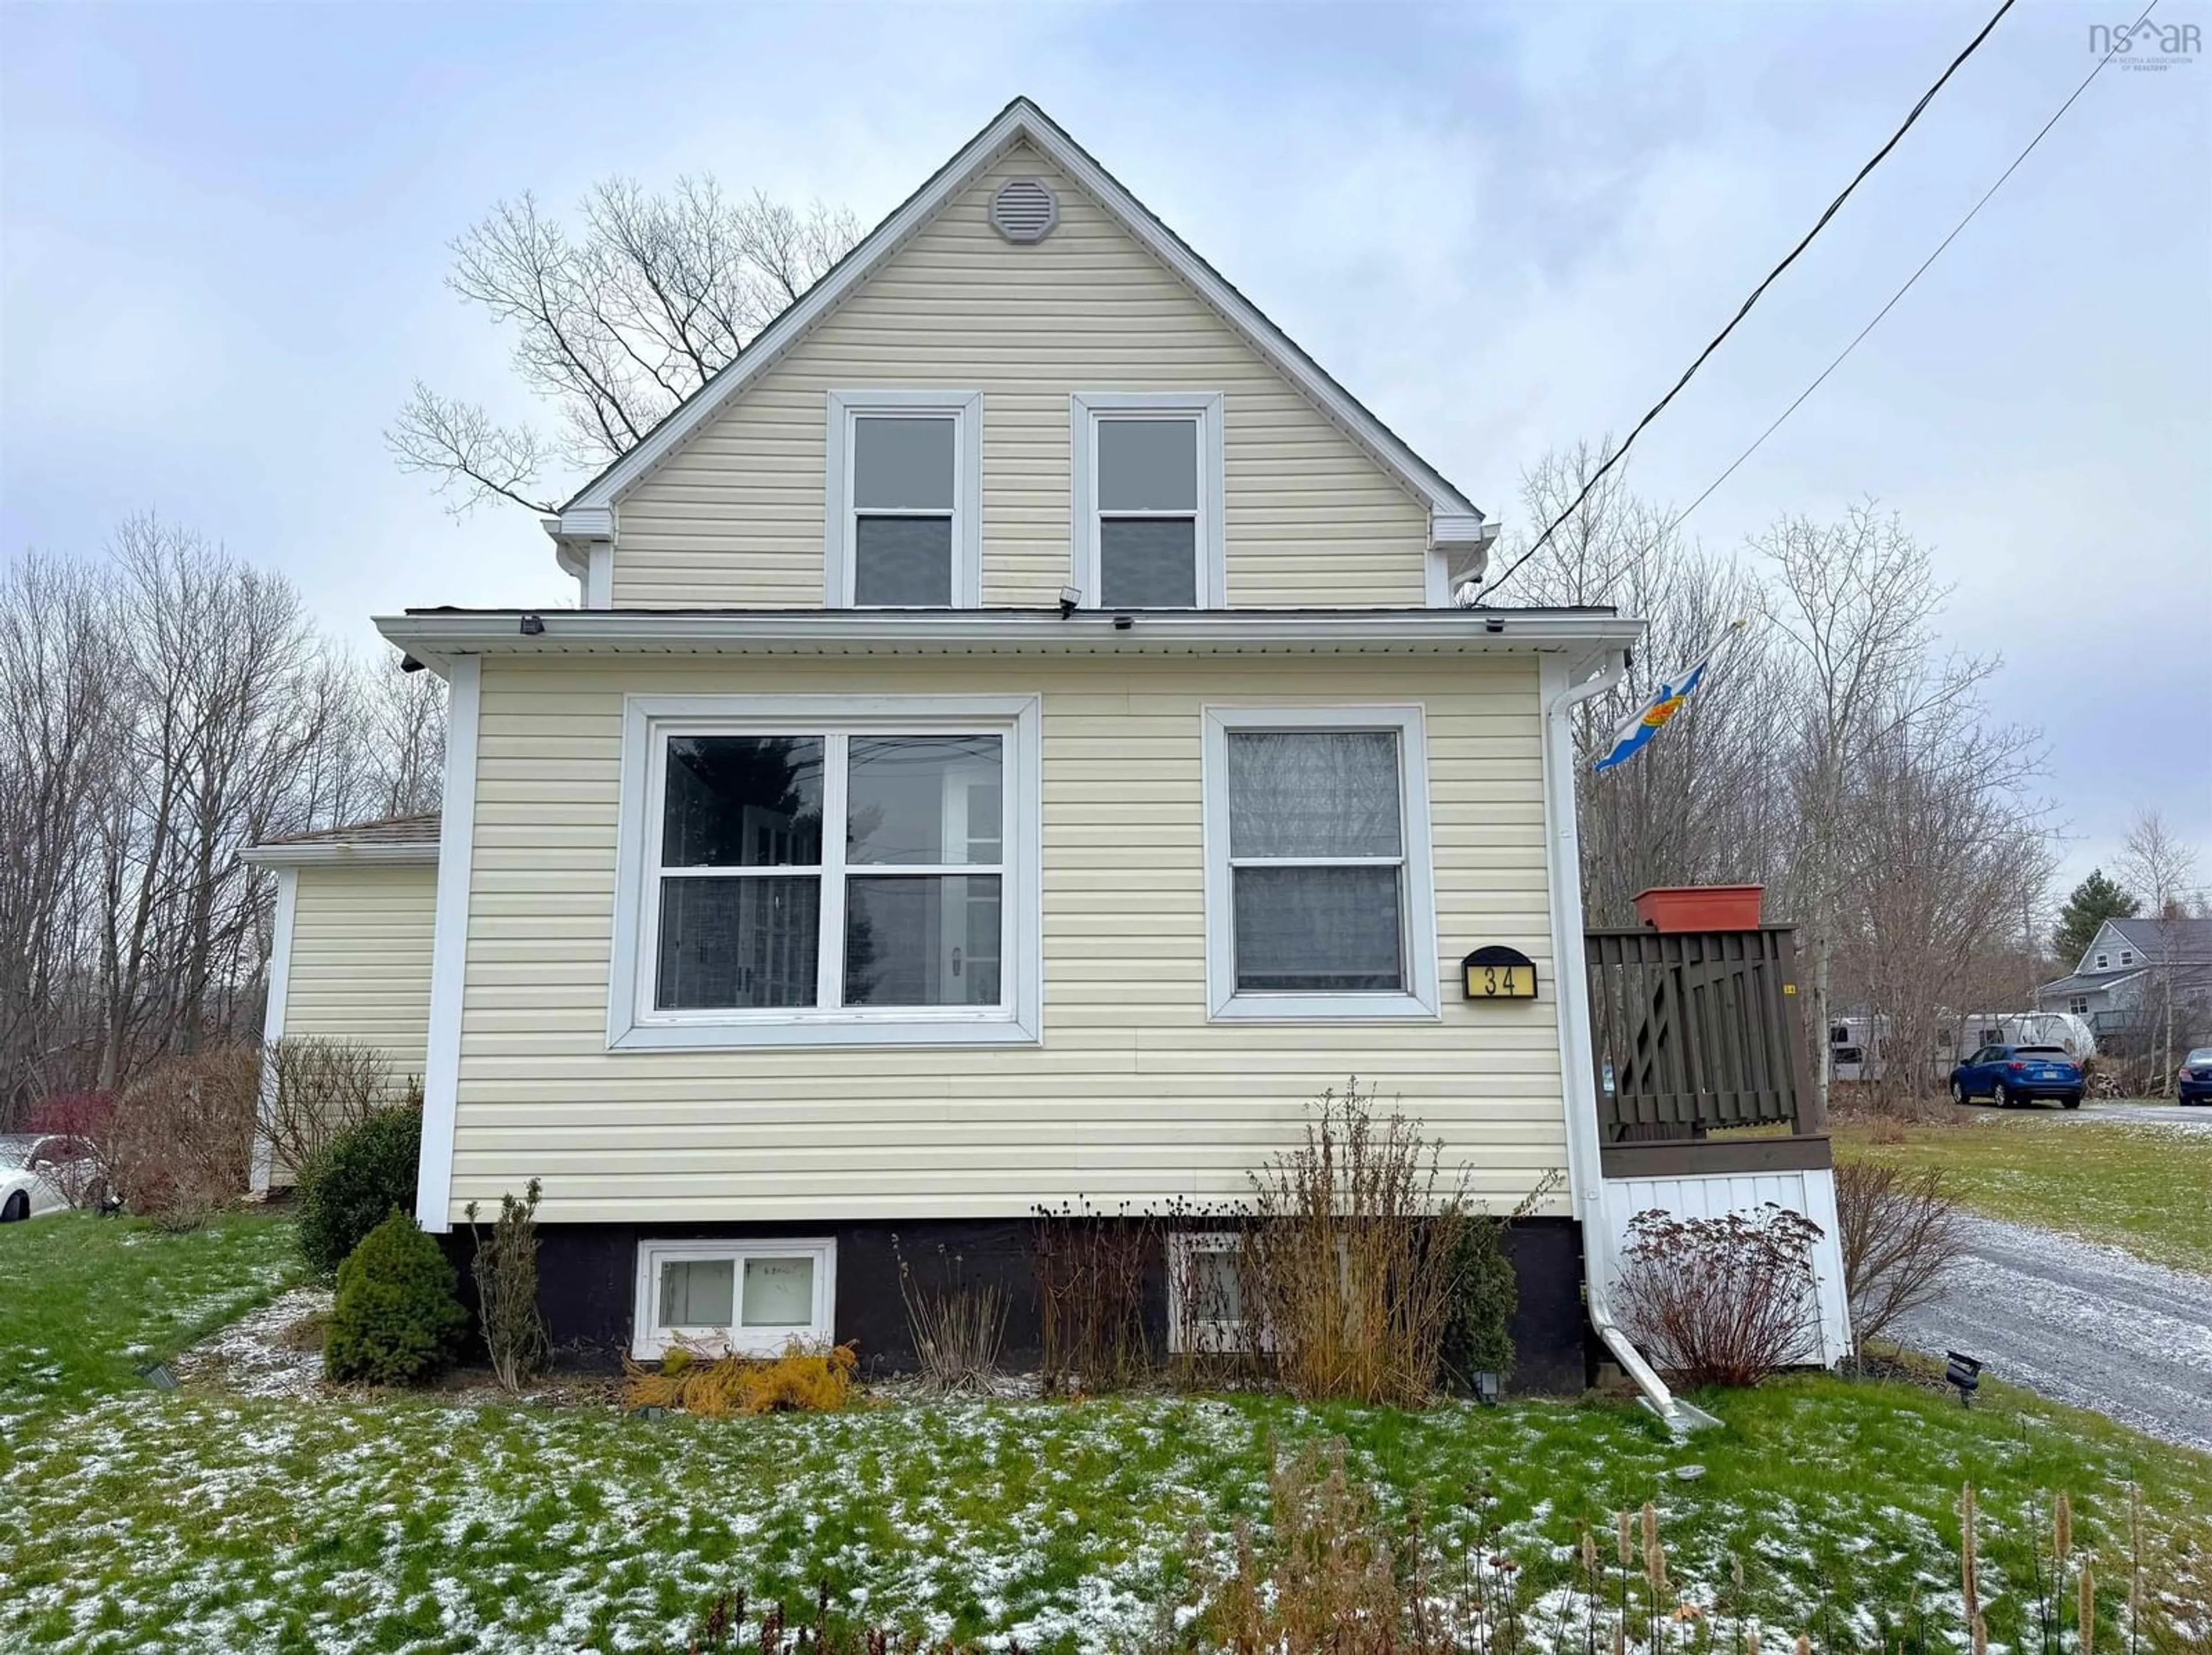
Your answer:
<point x="2195" y="1118"/>
<point x="2080" y="1324"/>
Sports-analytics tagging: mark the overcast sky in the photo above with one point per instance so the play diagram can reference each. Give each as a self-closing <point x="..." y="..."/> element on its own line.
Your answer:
<point x="1505" y="228"/>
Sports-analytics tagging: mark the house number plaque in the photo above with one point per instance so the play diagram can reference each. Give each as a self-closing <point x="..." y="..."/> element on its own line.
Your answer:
<point x="1498" y="974"/>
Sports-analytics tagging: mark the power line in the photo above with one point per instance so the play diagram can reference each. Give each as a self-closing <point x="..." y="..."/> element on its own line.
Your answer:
<point x="1657" y="408"/>
<point x="1910" y="279"/>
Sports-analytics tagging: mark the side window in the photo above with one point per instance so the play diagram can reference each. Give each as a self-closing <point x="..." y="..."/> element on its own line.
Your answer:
<point x="1147" y="501"/>
<point x="1317" y="883"/>
<point x="901" y="500"/>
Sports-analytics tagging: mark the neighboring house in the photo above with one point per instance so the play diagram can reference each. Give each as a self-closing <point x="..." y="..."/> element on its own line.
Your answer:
<point x="2122" y="982"/>
<point x="1015" y="749"/>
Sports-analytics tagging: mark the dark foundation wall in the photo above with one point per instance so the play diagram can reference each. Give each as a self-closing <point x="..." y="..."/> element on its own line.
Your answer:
<point x="587" y="1275"/>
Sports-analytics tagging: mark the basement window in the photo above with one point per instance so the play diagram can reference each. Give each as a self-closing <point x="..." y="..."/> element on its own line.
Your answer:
<point x="748" y="1298"/>
<point x="1205" y="1294"/>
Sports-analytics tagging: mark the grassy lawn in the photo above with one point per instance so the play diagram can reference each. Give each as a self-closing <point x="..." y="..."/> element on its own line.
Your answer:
<point x="202" y="1521"/>
<point x="2148" y="1188"/>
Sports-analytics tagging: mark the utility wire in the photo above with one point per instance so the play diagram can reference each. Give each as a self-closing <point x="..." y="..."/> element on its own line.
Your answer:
<point x="1657" y="408"/>
<point x="1910" y="279"/>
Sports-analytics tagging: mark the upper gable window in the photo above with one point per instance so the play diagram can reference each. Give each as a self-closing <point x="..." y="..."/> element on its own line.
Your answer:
<point x="1147" y="497"/>
<point x="903" y="499"/>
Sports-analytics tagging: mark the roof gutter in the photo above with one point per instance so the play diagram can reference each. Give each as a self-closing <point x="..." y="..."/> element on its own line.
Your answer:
<point x="436" y="636"/>
<point x="1578" y="1063"/>
<point x="323" y="852"/>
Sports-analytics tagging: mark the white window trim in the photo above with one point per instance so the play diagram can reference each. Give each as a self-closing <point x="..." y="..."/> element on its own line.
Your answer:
<point x="647" y="722"/>
<point x="1204" y="408"/>
<point x="1418" y="924"/>
<point x="966" y="409"/>
<point x="648" y="1341"/>
<point x="2104" y="962"/>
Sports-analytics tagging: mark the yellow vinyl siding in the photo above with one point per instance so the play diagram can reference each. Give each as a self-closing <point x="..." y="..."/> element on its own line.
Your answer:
<point x="361" y="959"/>
<point x="735" y="517"/>
<point x="1132" y="1095"/>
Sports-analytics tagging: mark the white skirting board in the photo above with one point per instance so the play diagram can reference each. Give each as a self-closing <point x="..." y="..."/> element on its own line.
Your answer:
<point x="1715" y="1195"/>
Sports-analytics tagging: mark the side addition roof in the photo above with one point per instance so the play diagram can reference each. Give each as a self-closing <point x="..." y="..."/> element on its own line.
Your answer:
<point x="1454" y="521"/>
<point x="390" y="839"/>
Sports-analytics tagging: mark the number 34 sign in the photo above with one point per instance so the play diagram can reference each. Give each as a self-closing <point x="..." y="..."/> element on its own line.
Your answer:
<point x="1498" y="974"/>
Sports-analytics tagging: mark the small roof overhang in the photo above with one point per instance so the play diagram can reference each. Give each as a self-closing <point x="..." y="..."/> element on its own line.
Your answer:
<point x="434" y="637"/>
<point x="395" y="840"/>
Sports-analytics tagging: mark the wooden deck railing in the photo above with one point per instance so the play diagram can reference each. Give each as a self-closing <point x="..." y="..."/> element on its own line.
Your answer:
<point x="1695" y="1031"/>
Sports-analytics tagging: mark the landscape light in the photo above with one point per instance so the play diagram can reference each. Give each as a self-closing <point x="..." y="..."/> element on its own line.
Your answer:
<point x="1485" y="1389"/>
<point x="1964" y="1372"/>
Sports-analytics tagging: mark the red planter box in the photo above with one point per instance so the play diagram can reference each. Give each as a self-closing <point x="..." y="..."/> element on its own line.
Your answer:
<point x="1699" y="907"/>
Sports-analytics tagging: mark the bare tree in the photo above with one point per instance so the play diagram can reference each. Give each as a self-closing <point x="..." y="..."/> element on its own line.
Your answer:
<point x="1853" y="604"/>
<point x="1698" y="806"/>
<point x="1938" y="850"/>
<point x="2153" y="861"/>
<point x="56" y="683"/>
<point x="2159" y="865"/>
<point x="614" y="324"/>
<point x="161" y="709"/>
<point x="405" y="730"/>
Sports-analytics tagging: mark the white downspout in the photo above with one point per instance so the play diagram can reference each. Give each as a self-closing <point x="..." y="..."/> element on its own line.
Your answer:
<point x="1577" y="1064"/>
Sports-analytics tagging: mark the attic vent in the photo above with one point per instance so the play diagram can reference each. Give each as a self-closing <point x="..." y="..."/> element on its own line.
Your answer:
<point x="1025" y="210"/>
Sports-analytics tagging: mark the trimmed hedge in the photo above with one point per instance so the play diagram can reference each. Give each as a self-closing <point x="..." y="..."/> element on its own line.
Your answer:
<point x="398" y="1318"/>
<point x="348" y="1186"/>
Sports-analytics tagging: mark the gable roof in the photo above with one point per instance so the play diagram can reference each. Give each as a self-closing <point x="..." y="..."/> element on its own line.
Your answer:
<point x="2189" y="941"/>
<point x="1454" y="521"/>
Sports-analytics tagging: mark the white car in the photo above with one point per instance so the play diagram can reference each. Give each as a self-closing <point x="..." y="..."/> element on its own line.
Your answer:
<point x="35" y="1170"/>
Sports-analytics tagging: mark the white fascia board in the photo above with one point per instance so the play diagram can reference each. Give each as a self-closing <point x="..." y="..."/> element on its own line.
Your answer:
<point x="440" y="638"/>
<point x="1020" y="121"/>
<point x="326" y="853"/>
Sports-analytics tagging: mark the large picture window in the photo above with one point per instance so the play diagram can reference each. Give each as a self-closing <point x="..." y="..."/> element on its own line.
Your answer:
<point x="1147" y="495"/>
<point x="848" y="875"/>
<point x="902" y="500"/>
<point x="1318" y="893"/>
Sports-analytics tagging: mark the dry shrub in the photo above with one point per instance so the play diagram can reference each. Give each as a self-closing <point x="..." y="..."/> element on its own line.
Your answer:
<point x="1722" y="1301"/>
<point x="807" y="1378"/>
<point x="1325" y="1579"/>
<point x="506" y="1271"/>
<point x="180" y="1145"/>
<point x="1332" y="1577"/>
<point x="1090" y="1270"/>
<point x="1349" y="1262"/>
<point x="1900" y="1235"/>
<point x="731" y="1624"/>
<point x="958" y="1326"/>
<point x="314" y="1089"/>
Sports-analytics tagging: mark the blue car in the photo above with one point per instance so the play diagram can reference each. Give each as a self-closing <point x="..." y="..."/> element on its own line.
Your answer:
<point x="2013" y="1075"/>
<point x="2194" y="1084"/>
